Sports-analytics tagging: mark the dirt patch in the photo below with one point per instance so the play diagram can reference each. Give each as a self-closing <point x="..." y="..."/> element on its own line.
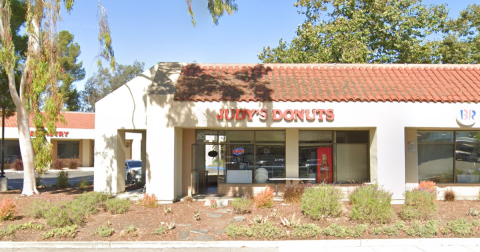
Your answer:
<point x="215" y="220"/>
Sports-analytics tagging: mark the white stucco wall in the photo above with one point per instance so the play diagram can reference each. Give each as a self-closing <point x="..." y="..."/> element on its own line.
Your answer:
<point x="386" y="122"/>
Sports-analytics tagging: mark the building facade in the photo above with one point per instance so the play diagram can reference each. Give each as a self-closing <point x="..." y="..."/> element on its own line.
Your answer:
<point x="231" y="129"/>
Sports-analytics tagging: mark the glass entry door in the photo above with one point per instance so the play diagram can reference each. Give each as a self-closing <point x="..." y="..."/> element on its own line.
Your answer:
<point x="207" y="167"/>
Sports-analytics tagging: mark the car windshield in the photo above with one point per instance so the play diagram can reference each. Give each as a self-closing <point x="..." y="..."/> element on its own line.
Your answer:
<point x="134" y="163"/>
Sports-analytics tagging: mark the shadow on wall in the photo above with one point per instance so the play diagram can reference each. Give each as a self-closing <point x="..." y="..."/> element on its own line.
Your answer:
<point x="226" y="85"/>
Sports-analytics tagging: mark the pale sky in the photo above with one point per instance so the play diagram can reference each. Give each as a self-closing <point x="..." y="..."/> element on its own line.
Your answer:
<point x="152" y="31"/>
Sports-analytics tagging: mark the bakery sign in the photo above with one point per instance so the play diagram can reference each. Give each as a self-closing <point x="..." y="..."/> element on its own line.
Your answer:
<point x="57" y="134"/>
<point x="277" y="114"/>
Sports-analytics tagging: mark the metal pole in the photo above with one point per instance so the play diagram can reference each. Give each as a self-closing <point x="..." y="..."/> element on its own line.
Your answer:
<point x="2" y="173"/>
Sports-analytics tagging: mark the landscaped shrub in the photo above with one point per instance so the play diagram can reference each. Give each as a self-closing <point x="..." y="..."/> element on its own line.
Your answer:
<point x="105" y="231"/>
<point x="68" y="231"/>
<point x="241" y="205"/>
<point x="73" y="163"/>
<point x="430" y="229"/>
<point x="264" y="199"/>
<point x="427" y="185"/>
<point x="18" y="165"/>
<point x="419" y="204"/>
<point x="266" y="230"/>
<point x="8" y="210"/>
<point x="62" y="179"/>
<point x="149" y="200"/>
<point x="57" y="164"/>
<point x="90" y="202"/>
<point x="322" y="201"/>
<point x="459" y="227"/>
<point x="449" y="195"/>
<point x="293" y="193"/>
<point x="306" y="231"/>
<point x="343" y="231"/>
<point x="371" y="204"/>
<point x="117" y="206"/>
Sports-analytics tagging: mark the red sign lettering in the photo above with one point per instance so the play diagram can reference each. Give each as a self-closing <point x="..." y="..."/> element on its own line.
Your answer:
<point x="277" y="115"/>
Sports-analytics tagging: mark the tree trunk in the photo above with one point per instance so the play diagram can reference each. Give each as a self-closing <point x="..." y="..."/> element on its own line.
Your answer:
<point x="26" y="148"/>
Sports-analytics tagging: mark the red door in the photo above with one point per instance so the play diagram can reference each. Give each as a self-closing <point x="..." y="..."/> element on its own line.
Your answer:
<point x="324" y="165"/>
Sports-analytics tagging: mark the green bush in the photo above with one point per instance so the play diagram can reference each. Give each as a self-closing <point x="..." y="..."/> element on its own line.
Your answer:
<point x="460" y="227"/>
<point x="419" y="204"/>
<point x="266" y="230"/>
<point x="62" y="179"/>
<point x="395" y="229"/>
<point x="68" y="231"/>
<point x="344" y="231"/>
<point x="293" y="193"/>
<point x="241" y="205"/>
<point x="160" y="231"/>
<point x="371" y="204"/>
<point x="117" y="206"/>
<point x="105" y="231"/>
<point x="306" y="231"/>
<point x="430" y="229"/>
<point x="322" y="201"/>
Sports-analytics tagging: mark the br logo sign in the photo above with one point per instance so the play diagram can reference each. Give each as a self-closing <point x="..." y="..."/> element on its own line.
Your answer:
<point x="466" y="117"/>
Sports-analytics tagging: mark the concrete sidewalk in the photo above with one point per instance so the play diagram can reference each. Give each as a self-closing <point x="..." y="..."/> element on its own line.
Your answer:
<point x="391" y="245"/>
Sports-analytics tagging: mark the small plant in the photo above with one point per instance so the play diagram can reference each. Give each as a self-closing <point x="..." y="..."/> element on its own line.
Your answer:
<point x="449" y="195"/>
<point x="83" y="183"/>
<point x="473" y="212"/>
<point x="170" y="225"/>
<point x="213" y="203"/>
<point x="430" y="229"/>
<point x="259" y="219"/>
<point x="428" y="186"/>
<point x="149" y="200"/>
<point x="8" y="210"/>
<point x="419" y="204"/>
<point x="395" y="229"/>
<point x="73" y="163"/>
<point x="266" y="230"/>
<point x="322" y="201"/>
<point x="306" y="231"/>
<point x="196" y="215"/>
<point x="459" y="227"/>
<point x="57" y="164"/>
<point x="105" y="231"/>
<point x="167" y="210"/>
<point x="117" y="206"/>
<point x="188" y="199"/>
<point x="274" y="213"/>
<point x="130" y="230"/>
<point x="241" y="205"/>
<point x="293" y="193"/>
<point x="160" y="231"/>
<point x="18" y="165"/>
<point x="264" y="199"/>
<point x="290" y="222"/>
<point x="68" y="231"/>
<point x="62" y="179"/>
<point x="371" y="204"/>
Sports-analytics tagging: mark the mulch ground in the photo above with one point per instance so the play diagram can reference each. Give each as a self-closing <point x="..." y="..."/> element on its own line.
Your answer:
<point x="148" y="219"/>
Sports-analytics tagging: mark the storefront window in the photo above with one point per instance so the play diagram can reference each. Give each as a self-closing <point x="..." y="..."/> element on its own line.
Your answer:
<point x="68" y="149"/>
<point x="449" y="156"/>
<point x="344" y="160"/>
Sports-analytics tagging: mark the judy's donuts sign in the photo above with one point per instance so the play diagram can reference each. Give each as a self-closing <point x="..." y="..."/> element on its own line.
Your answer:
<point x="277" y="114"/>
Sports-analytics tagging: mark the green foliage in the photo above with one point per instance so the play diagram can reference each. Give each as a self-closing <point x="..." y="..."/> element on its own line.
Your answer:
<point x="293" y="193"/>
<point x="241" y="205"/>
<point x="395" y="229"/>
<point x="343" y="231"/>
<point x="105" y="230"/>
<point x="390" y="31"/>
<point x="371" y="204"/>
<point x="430" y="229"/>
<point x="419" y="204"/>
<point x="460" y="227"/>
<point x="306" y="231"/>
<point x="62" y="179"/>
<point x="68" y="231"/>
<point x="130" y="230"/>
<point x="83" y="184"/>
<point x="117" y="206"/>
<point x="216" y="8"/>
<point x="196" y="215"/>
<point x="12" y="228"/>
<point x="265" y="230"/>
<point x="160" y="231"/>
<point x="103" y="82"/>
<point x="322" y="201"/>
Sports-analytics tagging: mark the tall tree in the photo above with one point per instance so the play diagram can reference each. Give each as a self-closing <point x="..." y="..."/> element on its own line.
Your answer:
<point x="39" y="79"/>
<point x="378" y="31"/>
<point x="103" y="82"/>
<point x="71" y="70"/>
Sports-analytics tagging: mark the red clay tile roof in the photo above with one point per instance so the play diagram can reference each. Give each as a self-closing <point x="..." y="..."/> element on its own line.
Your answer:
<point x="329" y="82"/>
<point x="74" y="120"/>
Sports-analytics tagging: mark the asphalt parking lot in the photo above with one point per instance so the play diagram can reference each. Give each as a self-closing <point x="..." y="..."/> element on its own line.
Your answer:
<point x="15" y="179"/>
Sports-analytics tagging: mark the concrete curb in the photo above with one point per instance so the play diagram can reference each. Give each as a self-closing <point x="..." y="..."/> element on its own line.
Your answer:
<point x="297" y="244"/>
